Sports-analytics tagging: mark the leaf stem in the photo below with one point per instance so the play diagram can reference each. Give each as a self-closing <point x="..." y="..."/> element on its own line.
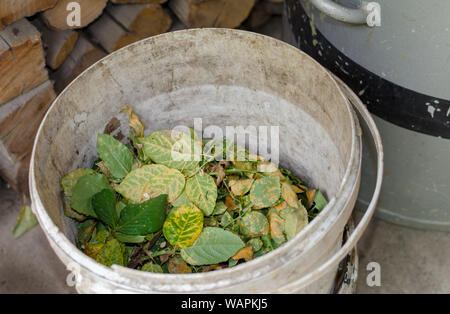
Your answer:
<point x="233" y="170"/>
<point x="167" y="252"/>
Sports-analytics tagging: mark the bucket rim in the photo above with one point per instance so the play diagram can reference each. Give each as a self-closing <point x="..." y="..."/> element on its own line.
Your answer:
<point x="253" y="268"/>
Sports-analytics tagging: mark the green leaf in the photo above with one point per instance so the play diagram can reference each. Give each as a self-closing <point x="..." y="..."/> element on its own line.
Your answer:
<point x="254" y="224"/>
<point x="104" y="204"/>
<point x="111" y="253"/>
<point x="151" y="181"/>
<point x="276" y="228"/>
<point x="220" y="208"/>
<point x="265" y="192"/>
<point x="69" y="212"/>
<point x="262" y="252"/>
<point x="226" y="220"/>
<point x="101" y="236"/>
<point x="25" y="222"/>
<point x="128" y="252"/>
<point x="210" y="222"/>
<point x="152" y="268"/>
<point x="173" y="149"/>
<point x="267" y="242"/>
<point x="85" y="231"/>
<point x="256" y="244"/>
<point x="202" y="191"/>
<point x="119" y="206"/>
<point x="319" y="201"/>
<point x="232" y="262"/>
<point x="116" y="156"/>
<point x="92" y="249"/>
<point x="69" y="181"/>
<point x="144" y="218"/>
<point x="214" y="246"/>
<point x="190" y="172"/>
<point x="125" y="238"/>
<point x="181" y="200"/>
<point x="183" y="226"/>
<point x="296" y="220"/>
<point x="85" y="189"/>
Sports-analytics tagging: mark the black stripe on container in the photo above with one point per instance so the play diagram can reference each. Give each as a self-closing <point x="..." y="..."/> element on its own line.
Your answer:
<point x="401" y="106"/>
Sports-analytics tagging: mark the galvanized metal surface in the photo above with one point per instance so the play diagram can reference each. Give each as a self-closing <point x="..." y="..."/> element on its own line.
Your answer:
<point x="225" y="77"/>
<point x="411" y="48"/>
<point x="416" y="188"/>
<point x="416" y="192"/>
<point x="341" y="12"/>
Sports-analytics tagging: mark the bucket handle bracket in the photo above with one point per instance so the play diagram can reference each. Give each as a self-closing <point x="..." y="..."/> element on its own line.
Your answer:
<point x="368" y="12"/>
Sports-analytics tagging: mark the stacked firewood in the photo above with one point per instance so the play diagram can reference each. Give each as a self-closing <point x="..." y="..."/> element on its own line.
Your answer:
<point x="41" y="52"/>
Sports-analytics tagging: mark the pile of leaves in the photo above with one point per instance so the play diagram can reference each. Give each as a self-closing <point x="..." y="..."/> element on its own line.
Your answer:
<point x="140" y="207"/>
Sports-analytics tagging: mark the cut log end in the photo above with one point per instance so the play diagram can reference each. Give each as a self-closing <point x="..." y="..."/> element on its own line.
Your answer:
<point x="83" y="55"/>
<point x="19" y="121"/>
<point x="13" y="10"/>
<point x="137" y="1"/>
<point x="125" y="24"/>
<point x="212" y="13"/>
<point x="22" y="62"/>
<point x="60" y="53"/>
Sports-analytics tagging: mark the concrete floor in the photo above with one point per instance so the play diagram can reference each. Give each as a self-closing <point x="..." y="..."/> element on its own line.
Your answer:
<point x="412" y="261"/>
<point x="28" y="264"/>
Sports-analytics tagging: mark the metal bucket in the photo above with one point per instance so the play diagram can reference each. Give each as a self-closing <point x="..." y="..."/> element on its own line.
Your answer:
<point x="227" y="78"/>
<point x="391" y="67"/>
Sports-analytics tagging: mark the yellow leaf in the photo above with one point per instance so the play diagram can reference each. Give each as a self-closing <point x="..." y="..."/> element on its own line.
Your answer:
<point x="183" y="226"/>
<point x="310" y="194"/>
<point x="231" y="203"/>
<point x="151" y="181"/>
<point x="25" y="222"/>
<point x="134" y="121"/>
<point x="288" y="194"/>
<point x="245" y="253"/>
<point x="178" y="266"/>
<point x="240" y="187"/>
